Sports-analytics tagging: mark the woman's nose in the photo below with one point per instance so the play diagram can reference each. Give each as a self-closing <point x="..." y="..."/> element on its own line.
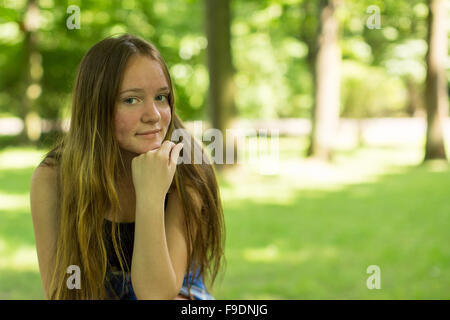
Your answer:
<point x="151" y="113"/>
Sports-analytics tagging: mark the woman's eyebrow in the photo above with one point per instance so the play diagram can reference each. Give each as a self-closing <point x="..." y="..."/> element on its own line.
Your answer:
<point x="163" y="89"/>
<point x="132" y="89"/>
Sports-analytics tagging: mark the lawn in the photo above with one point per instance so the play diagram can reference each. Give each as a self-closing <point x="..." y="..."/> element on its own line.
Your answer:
<point x="308" y="231"/>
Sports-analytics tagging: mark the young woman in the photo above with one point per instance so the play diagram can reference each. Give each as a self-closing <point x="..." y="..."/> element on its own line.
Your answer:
<point x="110" y="199"/>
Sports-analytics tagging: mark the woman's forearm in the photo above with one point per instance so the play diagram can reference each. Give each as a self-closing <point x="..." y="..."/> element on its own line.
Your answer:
<point x="152" y="272"/>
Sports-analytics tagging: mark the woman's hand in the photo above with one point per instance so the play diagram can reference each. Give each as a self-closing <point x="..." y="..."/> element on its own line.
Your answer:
<point x="153" y="171"/>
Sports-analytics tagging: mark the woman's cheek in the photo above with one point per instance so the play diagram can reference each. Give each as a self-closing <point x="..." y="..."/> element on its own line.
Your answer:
<point x="166" y="117"/>
<point x="123" y="125"/>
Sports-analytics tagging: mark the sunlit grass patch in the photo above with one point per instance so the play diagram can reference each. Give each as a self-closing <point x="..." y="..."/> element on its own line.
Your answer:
<point x="20" y="157"/>
<point x="22" y="259"/>
<point x="14" y="201"/>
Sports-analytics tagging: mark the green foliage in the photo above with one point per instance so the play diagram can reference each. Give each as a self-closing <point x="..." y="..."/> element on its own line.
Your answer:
<point x="174" y="27"/>
<point x="273" y="44"/>
<point x="370" y="92"/>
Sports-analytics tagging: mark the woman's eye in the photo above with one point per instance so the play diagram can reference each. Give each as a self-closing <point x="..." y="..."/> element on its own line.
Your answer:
<point x="162" y="97"/>
<point x="130" y="100"/>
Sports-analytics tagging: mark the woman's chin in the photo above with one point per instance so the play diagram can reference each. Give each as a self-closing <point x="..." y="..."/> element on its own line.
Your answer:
<point x="153" y="146"/>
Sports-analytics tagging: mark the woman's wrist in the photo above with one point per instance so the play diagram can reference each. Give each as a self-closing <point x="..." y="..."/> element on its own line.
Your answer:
<point x="146" y="201"/>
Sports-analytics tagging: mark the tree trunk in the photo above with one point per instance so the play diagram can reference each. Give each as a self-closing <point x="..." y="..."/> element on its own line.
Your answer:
<point x="415" y="104"/>
<point x="32" y="71"/>
<point x="221" y="86"/>
<point x="436" y="94"/>
<point x="309" y="35"/>
<point x="327" y="83"/>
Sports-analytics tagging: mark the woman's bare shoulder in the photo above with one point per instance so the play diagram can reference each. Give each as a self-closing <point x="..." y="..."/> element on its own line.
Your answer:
<point x="44" y="212"/>
<point x="44" y="177"/>
<point x="48" y="162"/>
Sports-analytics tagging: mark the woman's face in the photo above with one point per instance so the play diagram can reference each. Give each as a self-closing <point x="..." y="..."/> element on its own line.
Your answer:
<point x="142" y="106"/>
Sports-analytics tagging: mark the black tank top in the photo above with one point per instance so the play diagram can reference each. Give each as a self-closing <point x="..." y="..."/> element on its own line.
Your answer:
<point x="126" y="241"/>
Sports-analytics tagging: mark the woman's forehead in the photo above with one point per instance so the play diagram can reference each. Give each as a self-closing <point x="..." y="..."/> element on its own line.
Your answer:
<point x="143" y="72"/>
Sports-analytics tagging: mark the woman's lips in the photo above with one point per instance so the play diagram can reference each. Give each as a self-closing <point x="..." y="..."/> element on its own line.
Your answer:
<point x="150" y="131"/>
<point x="149" y="134"/>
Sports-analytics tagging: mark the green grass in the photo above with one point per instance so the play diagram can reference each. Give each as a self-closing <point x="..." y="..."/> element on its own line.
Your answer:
<point x="308" y="232"/>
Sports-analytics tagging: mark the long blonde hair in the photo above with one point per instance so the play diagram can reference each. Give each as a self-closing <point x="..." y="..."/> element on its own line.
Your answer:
<point x="88" y="160"/>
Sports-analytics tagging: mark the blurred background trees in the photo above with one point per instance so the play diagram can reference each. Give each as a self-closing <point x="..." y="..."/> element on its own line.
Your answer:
<point x="220" y="66"/>
<point x="366" y="74"/>
<point x="436" y="84"/>
<point x="254" y="59"/>
<point x="327" y="63"/>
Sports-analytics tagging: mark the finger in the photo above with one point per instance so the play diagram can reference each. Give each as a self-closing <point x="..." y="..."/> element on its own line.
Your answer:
<point x="166" y="147"/>
<point x="175" y="153"/>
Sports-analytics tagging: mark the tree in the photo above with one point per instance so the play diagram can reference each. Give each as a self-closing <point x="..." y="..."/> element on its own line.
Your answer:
<point x="32" y="61"/>
<point x="436" y="96"/>
<point x="221" y="86"/>
<point x="325" y="115"/>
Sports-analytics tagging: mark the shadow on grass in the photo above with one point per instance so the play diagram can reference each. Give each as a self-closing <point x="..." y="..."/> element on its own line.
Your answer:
<point x="16" y="230"/>
<point x="15" y="181"/>
<point x="17" y="284"/>
<point x="16" y="227"/>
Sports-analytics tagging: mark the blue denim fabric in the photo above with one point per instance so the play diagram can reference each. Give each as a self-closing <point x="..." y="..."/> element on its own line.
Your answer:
<point x="124" y="290"/>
